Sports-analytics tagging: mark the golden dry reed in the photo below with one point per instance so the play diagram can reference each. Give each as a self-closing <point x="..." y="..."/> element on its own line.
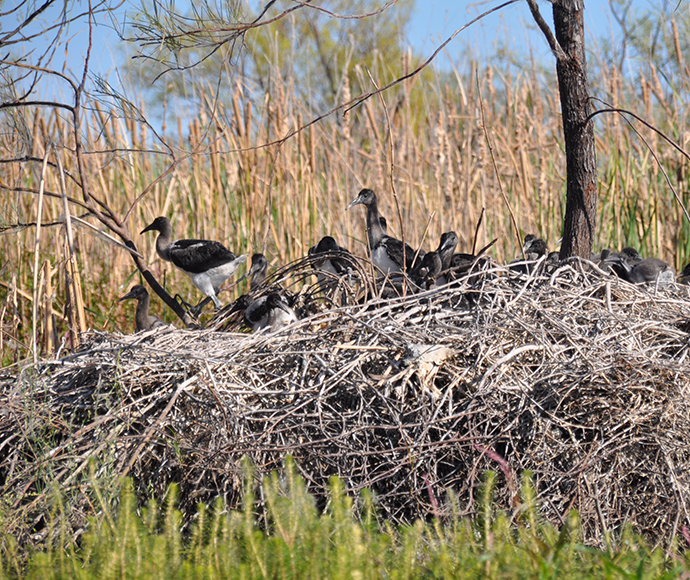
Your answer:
<point x="282" y="198"/>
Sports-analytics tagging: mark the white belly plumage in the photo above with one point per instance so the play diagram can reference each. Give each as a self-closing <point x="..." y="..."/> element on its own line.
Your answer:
<point x="383" y="261"/>
<point x="210" y="281"/>
<point x="215" y="276"/>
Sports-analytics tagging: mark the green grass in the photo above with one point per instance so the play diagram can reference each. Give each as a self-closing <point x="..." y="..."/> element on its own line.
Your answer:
<point x="287" y="537"/>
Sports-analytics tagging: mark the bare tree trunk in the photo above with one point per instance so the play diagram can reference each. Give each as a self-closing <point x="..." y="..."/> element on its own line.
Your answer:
<point x="571" y="67"/>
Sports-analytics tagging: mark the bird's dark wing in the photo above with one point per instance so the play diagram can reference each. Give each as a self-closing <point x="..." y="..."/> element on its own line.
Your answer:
<point x="196" y="256"/>
<point x="394" y="248"/>
<point x="257" y="312"/>
<point x="342" y="261"/>
<point x="428" y="269"/>
<point x="460" y="259"/>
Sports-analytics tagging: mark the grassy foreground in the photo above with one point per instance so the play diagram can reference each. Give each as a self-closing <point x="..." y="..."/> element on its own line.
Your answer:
<point x="298" y="541"/>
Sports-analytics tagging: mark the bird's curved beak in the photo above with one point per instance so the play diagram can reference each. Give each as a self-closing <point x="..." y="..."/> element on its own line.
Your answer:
<point x="126" y="296"/>
<point x="148" y="228"/>
<point x="354" y="202"/>
<point x="248" y="273"/>
<point x="449" y="243"/>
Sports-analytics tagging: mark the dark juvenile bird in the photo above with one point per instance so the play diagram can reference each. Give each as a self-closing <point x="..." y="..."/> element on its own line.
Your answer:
<point x="142" y="319"/>
<point x="326" y="261"/>
<point x="386" y="251"/>
<point x="257" y="272"/>
<point x="631" y="255"/>
<point x="461" y="263"/>
<point x="631" y="267"/>
<point x="206" y="262"/>
<point x="425" y="273"/>
<point x="651" y="270"/>
<point x="269" y="311"/>
<point x="446" y="248"/>
<point x="533" y="249"/>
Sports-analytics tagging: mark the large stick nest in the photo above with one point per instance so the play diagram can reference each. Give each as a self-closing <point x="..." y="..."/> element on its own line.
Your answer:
<point x="572" y="374"/>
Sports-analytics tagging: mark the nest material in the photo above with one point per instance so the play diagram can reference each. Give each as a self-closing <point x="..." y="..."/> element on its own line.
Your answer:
<point x="574" y="375"/>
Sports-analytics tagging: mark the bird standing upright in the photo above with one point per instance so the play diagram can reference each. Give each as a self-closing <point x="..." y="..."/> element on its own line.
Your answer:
<point x="207" y="263"/>
<point x="386" y="251"/>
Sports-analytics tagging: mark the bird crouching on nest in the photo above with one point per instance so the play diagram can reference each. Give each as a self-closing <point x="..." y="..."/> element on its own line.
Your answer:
<point x="207" y="263"/>
<point x="270" y="311"/>
<point x="427" y="271"/>
<point x="533" y="250"/>
<point x="330" y="260"/>
<point x="631" y="267"/>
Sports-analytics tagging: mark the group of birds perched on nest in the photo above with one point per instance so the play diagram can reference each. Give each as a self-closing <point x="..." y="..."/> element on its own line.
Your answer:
<point x="209" y="264"/>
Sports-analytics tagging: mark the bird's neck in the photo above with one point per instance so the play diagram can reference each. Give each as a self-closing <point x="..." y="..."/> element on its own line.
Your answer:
<point x="257" y="280"/>
<point x="375" y="232"/>
<point x="142" y="312"/>
<point x="162" y="244"/>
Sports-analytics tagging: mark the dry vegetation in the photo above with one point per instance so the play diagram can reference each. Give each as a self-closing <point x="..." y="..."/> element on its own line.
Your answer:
<point x="579" y="378"/>
<point x="281" y="199"/>
<point x="573" y="375"/>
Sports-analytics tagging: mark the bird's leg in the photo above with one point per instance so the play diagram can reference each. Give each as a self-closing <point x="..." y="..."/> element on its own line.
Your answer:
<point x="216" y="302"/>
<point x="182" y="302"/>
<point x="195" y="311"/>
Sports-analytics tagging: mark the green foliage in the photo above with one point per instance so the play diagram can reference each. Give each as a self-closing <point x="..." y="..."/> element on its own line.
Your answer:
<point x="323" y="54"/>
<point x="289" y="538"/>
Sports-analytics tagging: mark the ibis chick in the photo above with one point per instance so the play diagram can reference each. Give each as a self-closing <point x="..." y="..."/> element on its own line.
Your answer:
<point x="142" y="319"/>
<point x="386" y="251"/>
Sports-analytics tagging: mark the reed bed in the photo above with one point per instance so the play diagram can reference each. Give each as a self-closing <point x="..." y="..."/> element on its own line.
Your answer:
<point x="568" y="373"/>
<point x="218" y="181"/>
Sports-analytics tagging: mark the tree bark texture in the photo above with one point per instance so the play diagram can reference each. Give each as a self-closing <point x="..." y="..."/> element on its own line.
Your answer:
<point x="581" y="198"/>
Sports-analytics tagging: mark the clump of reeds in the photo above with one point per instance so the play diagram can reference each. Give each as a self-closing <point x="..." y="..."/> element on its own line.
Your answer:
<point x="281" y="198"/>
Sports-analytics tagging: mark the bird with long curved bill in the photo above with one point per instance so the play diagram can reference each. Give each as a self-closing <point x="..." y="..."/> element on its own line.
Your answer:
<point x="386" y="251"/>
<point x="142" y="319"/>
<point x="207" y="263"/>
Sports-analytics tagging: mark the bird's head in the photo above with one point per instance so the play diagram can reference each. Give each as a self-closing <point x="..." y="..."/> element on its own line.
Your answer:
<point x="448" y="240"/>
<point x="160" y="224"/>
<point x="136" y="293"/>
<point x="366" y="197"/>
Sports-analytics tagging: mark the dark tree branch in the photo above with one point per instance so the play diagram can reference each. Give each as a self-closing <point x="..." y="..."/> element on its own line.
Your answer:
<point x="581" y="161"/>
<point x="544" y="27"/>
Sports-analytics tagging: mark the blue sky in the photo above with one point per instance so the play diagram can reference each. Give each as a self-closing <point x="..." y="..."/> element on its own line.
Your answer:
<point x="433" y="21"/>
